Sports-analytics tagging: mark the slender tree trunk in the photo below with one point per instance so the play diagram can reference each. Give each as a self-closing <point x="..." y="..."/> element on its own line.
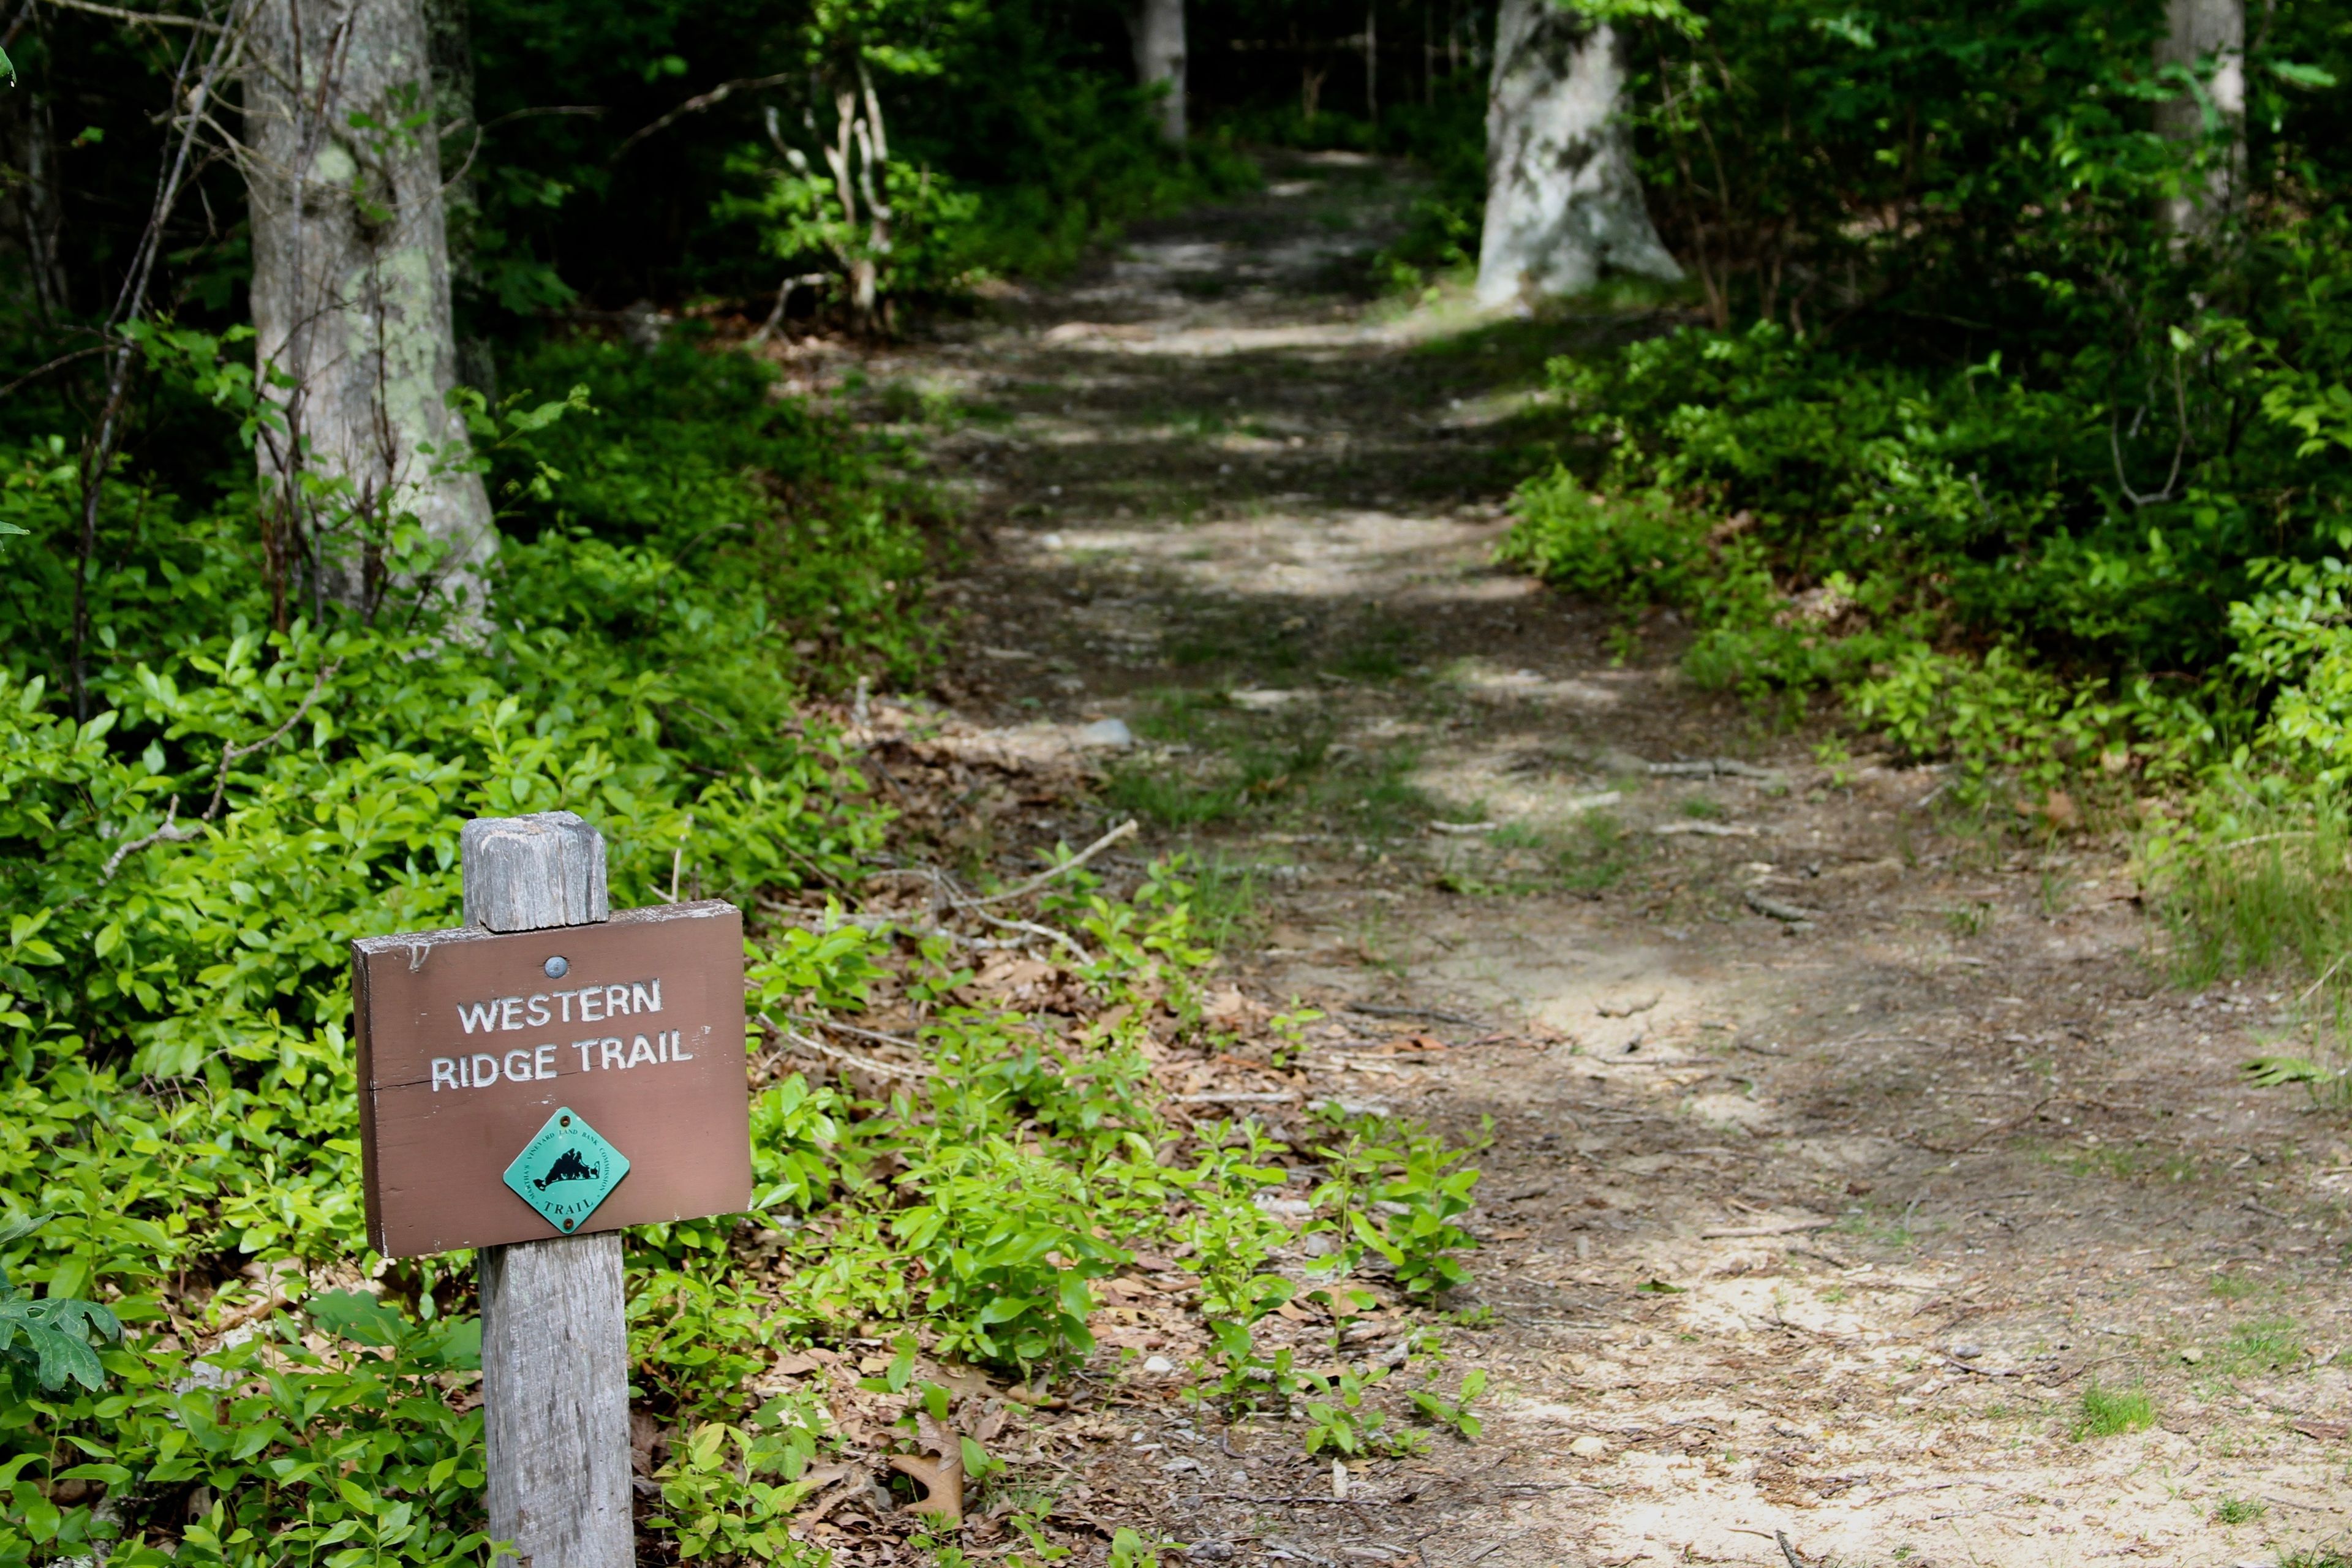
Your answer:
<point x="1563" y="203"/>
<point x="1372" y="63"/>
<point x="2205" y="36"/>
<point x="449" y="34"/>
<point x="351" y="299"/>
<point x="1158" y="26"/>
<point x="35" y="213"/>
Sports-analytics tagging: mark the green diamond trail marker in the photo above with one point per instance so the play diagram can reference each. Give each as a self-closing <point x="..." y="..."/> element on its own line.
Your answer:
<point x="566" y="1171"/>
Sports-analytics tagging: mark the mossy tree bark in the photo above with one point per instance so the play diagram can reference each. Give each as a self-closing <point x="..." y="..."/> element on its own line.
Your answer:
<point x="1563" y="204"/>
<point x="351" y="305"/>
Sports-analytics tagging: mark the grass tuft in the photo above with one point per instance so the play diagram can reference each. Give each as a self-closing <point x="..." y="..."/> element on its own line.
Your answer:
<point x="2112" y="1412"/>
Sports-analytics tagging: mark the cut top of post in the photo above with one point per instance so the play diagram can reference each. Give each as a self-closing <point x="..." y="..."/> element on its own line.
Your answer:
<point x="529" y="873"/>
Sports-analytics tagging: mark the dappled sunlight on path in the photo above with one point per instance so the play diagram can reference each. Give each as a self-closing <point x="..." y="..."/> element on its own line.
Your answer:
<point x="1848" y="1165"/>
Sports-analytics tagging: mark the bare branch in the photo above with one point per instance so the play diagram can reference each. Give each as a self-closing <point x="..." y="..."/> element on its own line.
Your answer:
<point x="1123" y="830"/>
<point x="697" y="104"/>
<point x="235" y="753"/>
<point x="58" y="363"/>
<point x="590" y="110"/>
<point x="143" y="18"/>
<point x="170" y="832"/>
<point x="850" y="1058"/>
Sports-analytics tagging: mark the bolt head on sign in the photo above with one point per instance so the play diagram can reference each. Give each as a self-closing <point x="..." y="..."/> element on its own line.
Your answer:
<point x="473" y="1046"/>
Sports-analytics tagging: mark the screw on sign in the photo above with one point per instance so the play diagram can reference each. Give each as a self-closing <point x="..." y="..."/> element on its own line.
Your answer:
<point x="531" y="1083"/>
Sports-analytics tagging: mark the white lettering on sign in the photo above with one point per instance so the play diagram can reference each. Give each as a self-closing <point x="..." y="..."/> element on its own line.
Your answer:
<point x="597" y="1003"/>
<point x="536" y="1063"/>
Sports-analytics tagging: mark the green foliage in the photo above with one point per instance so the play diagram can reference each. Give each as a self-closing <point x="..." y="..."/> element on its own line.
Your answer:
<point x="701" y="476"/>
<point x="1007" y="1244"/>
<point x="2267" y="1344"/>
<point x="2105" y="1412"/>
<point x="718" y="1501"/>
<point x="1341" y="1423"/>
<point x="2254" y="889"/>
<point x="47" y="1343"/>
<point x="1453" y="1414"/>
<point x="1396" y="1190"/>
<point x="2022" y="475"/>
<point x="348" y="1449"/>
<point x="1131" y="1549"/>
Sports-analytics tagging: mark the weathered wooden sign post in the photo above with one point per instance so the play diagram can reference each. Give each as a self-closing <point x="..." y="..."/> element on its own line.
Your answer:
<point x="530" y="1084"/>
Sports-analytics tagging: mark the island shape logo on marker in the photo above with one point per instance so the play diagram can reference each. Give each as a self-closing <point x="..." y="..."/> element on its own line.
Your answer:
<point x="566" y="1171"/>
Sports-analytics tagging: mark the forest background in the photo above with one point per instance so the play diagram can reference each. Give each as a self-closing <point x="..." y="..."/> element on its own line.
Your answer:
<point x="2003" y="406"/>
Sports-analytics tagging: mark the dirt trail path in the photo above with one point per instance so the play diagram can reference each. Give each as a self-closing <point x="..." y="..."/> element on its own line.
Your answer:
<point x="1825" y="1226"/>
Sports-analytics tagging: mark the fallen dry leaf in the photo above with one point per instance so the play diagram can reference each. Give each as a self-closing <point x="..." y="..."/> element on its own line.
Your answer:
<point x="940" y="1477"/>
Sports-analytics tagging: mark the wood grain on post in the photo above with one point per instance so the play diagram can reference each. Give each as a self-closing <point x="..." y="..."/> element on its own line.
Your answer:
<point x="555" y="1332"/>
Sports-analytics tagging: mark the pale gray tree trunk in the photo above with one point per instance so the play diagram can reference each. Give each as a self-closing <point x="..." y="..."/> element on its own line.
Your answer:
<point x="1158" y="26"/>
<point x="351" y="301"/>
<point x="1563" y="204"/>
<point x="2205" y="36"/>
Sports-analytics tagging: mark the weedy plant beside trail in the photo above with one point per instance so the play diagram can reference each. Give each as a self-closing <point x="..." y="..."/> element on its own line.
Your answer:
<point x="688" y="556"/>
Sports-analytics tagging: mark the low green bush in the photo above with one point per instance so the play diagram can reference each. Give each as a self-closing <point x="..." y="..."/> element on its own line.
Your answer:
<point x="1953" y="552"/>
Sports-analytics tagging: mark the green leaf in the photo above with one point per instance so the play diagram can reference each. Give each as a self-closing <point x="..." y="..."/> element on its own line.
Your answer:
<point x="2292" y="73"/>
<point x="9" y="67"/>
<point x="2270" y="1072"/>
<point x="356" y="1316"/>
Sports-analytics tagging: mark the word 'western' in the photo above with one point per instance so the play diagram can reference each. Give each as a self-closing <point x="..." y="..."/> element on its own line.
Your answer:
<point x="597" y="1003"/>
<point x="532" y="1064"/>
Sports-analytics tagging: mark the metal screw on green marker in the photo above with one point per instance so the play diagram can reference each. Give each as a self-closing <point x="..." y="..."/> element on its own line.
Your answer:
<point x="566" y="1171"/>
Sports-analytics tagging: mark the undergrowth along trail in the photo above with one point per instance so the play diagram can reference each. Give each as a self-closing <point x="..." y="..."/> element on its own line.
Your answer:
<point x="1851" y="1168"/>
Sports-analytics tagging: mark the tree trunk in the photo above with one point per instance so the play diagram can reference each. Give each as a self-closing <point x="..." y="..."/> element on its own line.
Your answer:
<point x="2199" y="35"/>
<point x="1563" y="204"/>
<point x="1159" y="29"/>
<point x="35" y="212"/>
<point x="351" y="302"/>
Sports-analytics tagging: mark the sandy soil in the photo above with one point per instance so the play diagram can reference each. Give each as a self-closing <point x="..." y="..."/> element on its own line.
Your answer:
<point x="1817" y="1227"/>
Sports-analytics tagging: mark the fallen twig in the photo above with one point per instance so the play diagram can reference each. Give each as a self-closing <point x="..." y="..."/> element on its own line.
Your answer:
<point x="1031" y="928"/>
<point x="1349" y="1501"/>
<point x="1792" y="914"/>
<point x="852" y="1030"/>
<point x="1373" y="1010"/>
<point x="1123" y="830"/>
<point x="1993" y="1131"/>
<point x="1710" y="768"/>
<point x="1778" y="1227"/>
<point x="2324" y="979"/>
<point x="1985" y="1370"/>
<point x="2268" y="837"/>
<point x="849" y="1058"/>
<point x="1705" y="829"/>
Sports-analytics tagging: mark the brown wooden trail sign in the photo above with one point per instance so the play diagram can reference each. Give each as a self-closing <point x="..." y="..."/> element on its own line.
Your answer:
<point x="471" y="1041"/>
<point x="528" y="1085"/>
